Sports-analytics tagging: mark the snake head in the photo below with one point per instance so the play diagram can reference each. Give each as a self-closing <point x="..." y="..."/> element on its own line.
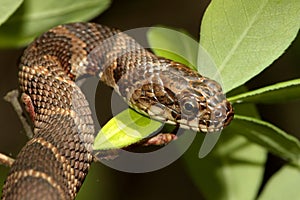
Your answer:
<point x="179" y="95"/>
<point x="203" y="106"/>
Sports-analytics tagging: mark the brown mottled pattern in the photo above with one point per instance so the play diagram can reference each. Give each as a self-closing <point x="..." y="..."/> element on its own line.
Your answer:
<point x="54" y="163"/>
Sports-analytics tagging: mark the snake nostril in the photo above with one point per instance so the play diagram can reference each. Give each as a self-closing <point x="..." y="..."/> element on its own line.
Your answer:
<point x="218" y="114"/>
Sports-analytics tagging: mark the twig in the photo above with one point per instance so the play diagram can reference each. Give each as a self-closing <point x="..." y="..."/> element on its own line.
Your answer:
<point x="6" y="160"/>
<point x="12" y="97"/>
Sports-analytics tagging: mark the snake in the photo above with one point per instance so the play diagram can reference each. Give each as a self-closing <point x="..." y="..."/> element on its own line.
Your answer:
<point x="55" y="161"/>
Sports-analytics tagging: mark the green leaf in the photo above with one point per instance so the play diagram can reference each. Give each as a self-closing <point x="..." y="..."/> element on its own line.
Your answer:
<point x="127" y="128"/>
<point x="244" y="37"/>
<point x="277" y="93"/>
<point x="174" y="45"/>
<point x="283" y="185"/>
<point x="247" y="123"/>
<point x="177" y="45"/>
<point x="267" y="135"/>
<point x="7" y="8"/>
<point x="234" y="168"/>
<point x="34" y="17"/>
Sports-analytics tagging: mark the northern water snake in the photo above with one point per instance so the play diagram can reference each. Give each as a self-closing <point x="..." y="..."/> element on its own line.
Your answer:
<point x="54" y="163"/>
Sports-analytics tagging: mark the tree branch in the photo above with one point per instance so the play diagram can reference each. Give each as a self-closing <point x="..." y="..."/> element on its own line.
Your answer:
<point x="12" y="97"/>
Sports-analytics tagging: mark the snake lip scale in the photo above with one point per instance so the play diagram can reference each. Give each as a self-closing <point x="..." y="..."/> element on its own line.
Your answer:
<point x="55" y="162"/>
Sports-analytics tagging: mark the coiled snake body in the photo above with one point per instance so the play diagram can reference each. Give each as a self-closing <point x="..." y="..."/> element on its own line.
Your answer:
<point x="54" y="163"/>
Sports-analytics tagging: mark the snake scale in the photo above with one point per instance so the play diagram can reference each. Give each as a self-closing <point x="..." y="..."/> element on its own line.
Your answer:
<point x="54" y="163"/>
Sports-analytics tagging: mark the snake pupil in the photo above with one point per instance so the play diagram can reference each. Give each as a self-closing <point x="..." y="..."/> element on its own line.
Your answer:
<point x="188" y="106"/>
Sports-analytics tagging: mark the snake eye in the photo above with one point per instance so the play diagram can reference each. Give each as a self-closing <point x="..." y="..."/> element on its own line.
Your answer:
<point x="189" y="107"/>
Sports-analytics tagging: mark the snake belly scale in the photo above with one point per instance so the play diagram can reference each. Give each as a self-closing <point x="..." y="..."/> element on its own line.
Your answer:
<point x="54" y="163"/>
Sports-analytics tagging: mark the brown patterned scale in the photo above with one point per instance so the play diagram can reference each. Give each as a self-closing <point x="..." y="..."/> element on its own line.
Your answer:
<point x="54" y="163"/>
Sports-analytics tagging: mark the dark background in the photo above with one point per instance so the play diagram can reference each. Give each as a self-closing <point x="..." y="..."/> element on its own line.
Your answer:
<point x="171" y="182"/>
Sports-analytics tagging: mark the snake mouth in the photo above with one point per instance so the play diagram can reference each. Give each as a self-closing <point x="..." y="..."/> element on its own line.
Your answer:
<point x="208" y="122"/>
<point x="214" y="120"/>
<point x="211" y="126"/>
